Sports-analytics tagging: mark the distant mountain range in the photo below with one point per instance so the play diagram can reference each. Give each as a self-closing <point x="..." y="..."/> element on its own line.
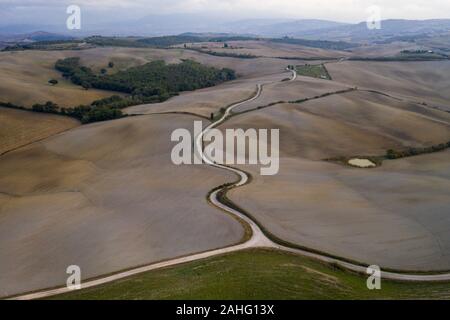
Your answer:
<point x="287" y="28"/>
<point x="33" y="37"/>
<point x="157" y="25"/>
<point x="389" y="29"/>
<point x="275" y="28"/>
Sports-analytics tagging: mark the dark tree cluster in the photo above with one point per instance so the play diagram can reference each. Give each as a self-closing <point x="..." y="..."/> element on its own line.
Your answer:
<point x="153" y="82"/>
<point x="48" y="107"/>
<point x="86" y="114"/>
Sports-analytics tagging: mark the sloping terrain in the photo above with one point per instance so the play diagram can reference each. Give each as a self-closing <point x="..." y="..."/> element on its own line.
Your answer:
<point x="24" y="75"/>
<point x="105" y="197"/>
<point x="24" y="80"/>
<point x="418" y="81"/>
<point x="301" y="88"/>
<point x="393" y="216"/>
<point x="18" y="128"/>
<point x="256" y="274"/>
<point x="264" y="48"/>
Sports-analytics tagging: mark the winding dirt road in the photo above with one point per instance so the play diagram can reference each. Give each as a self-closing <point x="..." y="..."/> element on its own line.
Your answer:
<point x="257" y="240"/>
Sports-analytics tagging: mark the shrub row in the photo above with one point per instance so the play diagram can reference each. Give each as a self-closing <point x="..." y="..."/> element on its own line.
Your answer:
<point x="410" y="152"/>
<point x="83" y="113"/>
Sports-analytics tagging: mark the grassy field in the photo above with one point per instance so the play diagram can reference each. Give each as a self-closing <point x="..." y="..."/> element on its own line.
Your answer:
<point x="256" y="274"/>
<point x="314" y="71"/>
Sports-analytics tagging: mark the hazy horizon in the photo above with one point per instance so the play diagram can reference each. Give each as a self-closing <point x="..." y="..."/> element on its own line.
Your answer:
<point x="52" y="12"/>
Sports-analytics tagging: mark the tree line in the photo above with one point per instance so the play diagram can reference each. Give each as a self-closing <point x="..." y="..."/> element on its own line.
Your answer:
<point x="83" y="113"/>
<point x="411" y="152"/>
<point x="223" y="54"/>
<point x="322" y="44"/>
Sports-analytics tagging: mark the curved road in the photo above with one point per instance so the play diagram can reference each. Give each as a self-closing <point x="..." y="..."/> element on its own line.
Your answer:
<point x="257" y="240"/>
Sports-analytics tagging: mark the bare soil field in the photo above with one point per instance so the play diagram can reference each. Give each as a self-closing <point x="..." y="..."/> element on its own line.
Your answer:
<point x="383" y="50"/>
<point x="301" y="88"/>
<point x="24" y="80"/>
<point x="105" y="197"/>
<point x="269" y="49"/>
<point x="419" y="81"/>
<point x="395" y="216"/>
<point x="18" y="128"/>
<point x="349" y="124"/>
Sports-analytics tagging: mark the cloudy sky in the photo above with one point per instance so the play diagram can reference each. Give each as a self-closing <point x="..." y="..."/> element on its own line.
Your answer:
<point x="32" y="11"/>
